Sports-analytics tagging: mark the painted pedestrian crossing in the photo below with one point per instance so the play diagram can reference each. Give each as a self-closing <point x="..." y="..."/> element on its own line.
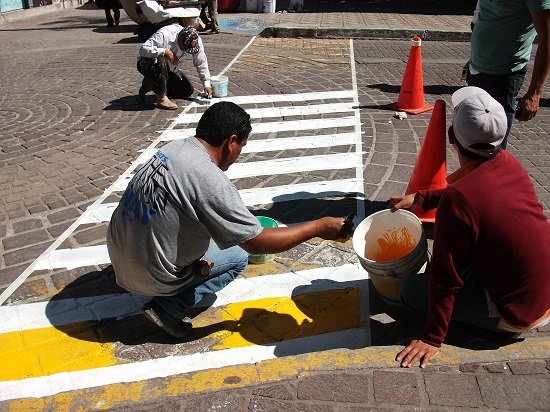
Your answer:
<point x="311" y="121"/>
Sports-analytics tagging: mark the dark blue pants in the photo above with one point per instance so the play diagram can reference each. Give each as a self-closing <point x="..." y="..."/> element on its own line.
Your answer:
<point x="228" y="264"/>
<point x="163" y="80"/>
<point x="504" y="88"/>
<point x="470" y="307"/>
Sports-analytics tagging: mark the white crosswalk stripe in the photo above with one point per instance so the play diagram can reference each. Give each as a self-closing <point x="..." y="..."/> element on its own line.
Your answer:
<point x="326" y="120"/>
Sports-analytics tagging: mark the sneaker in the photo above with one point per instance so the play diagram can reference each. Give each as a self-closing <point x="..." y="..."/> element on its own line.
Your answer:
<point x="178" y="328"/>
<point x="163" y="102"/>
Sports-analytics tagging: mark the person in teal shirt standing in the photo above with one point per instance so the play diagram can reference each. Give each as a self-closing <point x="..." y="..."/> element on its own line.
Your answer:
<point x="502" y="40"/>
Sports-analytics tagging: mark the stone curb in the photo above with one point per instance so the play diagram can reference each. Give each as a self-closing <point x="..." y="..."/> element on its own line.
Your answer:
<point x="323" y="33"/>
<point x="323" y="367"/>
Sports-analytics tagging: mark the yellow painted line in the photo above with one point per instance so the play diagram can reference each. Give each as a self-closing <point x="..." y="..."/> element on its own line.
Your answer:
<point x="45" y="351"/>
<point x="278" y="319"/>
<point x="231" y="377"/>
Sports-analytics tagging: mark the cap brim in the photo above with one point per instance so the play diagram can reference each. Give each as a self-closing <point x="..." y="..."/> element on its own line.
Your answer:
<point x="193" y="50"/>
<point x="464" y="93"/>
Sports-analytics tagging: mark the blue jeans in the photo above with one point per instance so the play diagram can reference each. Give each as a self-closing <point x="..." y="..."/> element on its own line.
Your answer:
<point x="228" y="264"/>
<point x="504" y="88"/>
<point x="470" y="306"/>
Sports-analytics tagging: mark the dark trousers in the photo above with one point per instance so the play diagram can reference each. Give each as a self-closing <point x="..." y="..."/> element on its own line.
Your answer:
<point x="164" y="81"/>
<point x="213" y="14"/>
<point x="112" y="5"/>
<point x="504" y="88"/>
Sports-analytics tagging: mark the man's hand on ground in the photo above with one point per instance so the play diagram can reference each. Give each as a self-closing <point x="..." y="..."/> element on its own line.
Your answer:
<point x="415" y="352"/>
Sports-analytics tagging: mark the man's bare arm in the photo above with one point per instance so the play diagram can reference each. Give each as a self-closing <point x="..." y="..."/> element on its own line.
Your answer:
<point x="529" y="103"/>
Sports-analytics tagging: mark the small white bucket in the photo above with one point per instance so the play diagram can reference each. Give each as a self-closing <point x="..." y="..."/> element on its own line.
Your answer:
<point x="219" y="86"/>
<point x="369" y="242"/>
<point x="405" y="229"/>
<point x="269" y="6"/>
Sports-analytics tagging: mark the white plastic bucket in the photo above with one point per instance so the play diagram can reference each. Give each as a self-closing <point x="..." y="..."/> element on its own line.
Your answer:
<point x="252" y="6"/>
<point x="219" y="85"/>
<point x="386" y="275"/>
<point x="269" y="6"/>
<point x="368" y="242"/>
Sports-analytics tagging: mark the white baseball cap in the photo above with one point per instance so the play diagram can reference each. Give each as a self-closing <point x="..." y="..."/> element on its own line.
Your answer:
<point x="479" y="121"/>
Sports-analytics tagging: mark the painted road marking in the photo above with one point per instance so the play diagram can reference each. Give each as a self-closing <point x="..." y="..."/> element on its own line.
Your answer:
<point x="74" y="258"/>
<point x="315" y="314"/>
<point x="301" y="191"/>
<point x="291" y="97"/>
<point x="271" y="112"/>
<point x="173" y="365"/>
<point x="302" y="142"/>
<point x="79" y="346"/>
<point x="283" y="126"/>
<point x="315" y="338"/>
<point x="256" y="196"/>
<point x="338" y="161"/>
<point x="292" y="125"/>
<point x="289" y="143"/>
<point x="47" y="351"/>
<point x="95" y="308"/>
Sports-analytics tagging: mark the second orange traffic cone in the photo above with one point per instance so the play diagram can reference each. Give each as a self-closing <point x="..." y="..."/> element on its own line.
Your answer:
<point x="411" y="94"/>
<point x="430" y="172"/>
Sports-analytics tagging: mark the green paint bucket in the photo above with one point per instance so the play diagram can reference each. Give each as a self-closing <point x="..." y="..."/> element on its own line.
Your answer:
<point x="263" y="258"/>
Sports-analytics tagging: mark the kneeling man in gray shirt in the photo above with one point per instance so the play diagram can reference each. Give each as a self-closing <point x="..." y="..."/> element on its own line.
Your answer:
<point x="181" y="230"/>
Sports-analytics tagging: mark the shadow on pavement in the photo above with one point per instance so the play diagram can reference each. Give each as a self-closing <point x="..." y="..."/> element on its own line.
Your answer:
<point x="290" y="212"/>
<point x="119" y="29"/>
<point x="323" y="302"/>
<point x="434" y="89"/>
<point x="322" y="308"/>
<point x="131" y="104"/>
<point x="130" y="40"/>
<point x="326" y="305"/>
<point x="398" y="325"/>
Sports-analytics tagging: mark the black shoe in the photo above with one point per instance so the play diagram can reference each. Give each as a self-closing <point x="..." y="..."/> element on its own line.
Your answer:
<point x="214" y="31"/>
<point x="178" y="328"/>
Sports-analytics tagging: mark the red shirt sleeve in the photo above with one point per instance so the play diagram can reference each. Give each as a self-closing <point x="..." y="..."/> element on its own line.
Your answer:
<point x="453" y="237"/>
<point x="430" y="198"/>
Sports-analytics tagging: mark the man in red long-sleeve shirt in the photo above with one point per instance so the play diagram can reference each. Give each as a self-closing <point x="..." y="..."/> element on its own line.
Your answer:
<point x="491" y="251"/>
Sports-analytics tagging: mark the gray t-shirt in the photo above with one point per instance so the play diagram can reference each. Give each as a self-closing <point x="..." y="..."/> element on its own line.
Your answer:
<point x="173" y="206"/>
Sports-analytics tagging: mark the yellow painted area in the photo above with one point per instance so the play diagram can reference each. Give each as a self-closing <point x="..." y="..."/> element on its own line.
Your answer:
<point x="268" y="268"/>
<point x="272" y="320"/>
<point x="118" y="395"/>
<point x="44" y="351"/>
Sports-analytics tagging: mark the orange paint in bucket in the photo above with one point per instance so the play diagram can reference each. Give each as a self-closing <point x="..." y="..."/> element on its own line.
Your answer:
<point x="394" y="243"/>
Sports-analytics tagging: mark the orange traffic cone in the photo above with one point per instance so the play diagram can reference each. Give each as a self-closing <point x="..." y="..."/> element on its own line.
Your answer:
<point x="411" y="95"/>
<point x="430" y="169"/>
